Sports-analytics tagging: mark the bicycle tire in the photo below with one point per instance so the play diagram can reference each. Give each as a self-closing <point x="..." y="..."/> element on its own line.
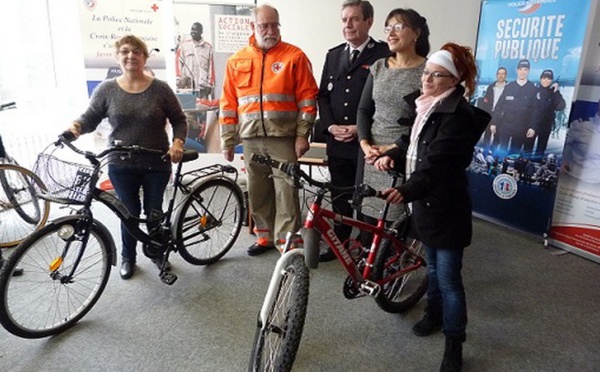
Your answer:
<point x="276" y="344"/>
<point x="406" y="290"/>
<point x="15" y="185"/>
<point x="44" y="301"/>
<point x="209" y="222"/>
<point x="21" y="211"/>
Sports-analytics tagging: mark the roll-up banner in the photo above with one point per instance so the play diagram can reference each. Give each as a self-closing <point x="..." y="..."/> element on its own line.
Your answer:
<point x="528" y="54"/>
<point x="576" y="218"/>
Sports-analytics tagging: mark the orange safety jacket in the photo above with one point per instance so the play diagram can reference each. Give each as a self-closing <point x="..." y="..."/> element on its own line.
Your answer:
<point x="267" y="94"/>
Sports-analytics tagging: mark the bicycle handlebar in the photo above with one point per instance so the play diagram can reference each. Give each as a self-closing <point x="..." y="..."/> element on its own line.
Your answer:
<point x="67" y="137"/>
<point x="293" y="170"/>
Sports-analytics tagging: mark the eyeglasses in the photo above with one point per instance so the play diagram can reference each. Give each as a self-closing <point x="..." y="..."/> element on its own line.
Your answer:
<point x="436" y="74"/>
<point x="266" y="26"/>
<point x="396" y="28"/>
<point x="125" y="52"/>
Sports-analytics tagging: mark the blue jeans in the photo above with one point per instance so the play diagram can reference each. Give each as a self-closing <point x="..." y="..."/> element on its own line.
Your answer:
<point x="127" y="183"/>
<point x="446" y="288"/>
<point x="193" y="144"/>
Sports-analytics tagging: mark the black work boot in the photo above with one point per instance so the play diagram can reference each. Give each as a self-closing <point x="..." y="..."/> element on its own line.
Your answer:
<point x="431" y="322"/>
<point x="452" y="361"/>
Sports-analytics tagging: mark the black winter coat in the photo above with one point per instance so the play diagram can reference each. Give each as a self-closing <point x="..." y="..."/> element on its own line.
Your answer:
<point x="438" y="187"/>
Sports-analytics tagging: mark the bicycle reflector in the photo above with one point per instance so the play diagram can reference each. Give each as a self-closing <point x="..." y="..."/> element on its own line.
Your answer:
<point x="203" y="220"/>
<point x="55" y="264"/>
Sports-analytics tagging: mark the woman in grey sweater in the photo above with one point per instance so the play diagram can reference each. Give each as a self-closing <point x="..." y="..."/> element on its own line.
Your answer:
<point x="383" y="117"/>
<point x="137" y="107"/>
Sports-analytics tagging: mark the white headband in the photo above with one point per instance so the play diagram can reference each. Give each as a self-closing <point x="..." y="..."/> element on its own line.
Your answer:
<point x="444" y="59"/>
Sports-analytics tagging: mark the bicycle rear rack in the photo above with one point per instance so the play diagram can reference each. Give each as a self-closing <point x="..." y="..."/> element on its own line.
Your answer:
<point x="196" y="174"/>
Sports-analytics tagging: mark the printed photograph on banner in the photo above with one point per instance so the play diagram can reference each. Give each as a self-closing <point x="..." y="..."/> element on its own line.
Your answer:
<point x="205" y="36"/>
<point x="528" y="54"/>
<point x="576" y="216"/>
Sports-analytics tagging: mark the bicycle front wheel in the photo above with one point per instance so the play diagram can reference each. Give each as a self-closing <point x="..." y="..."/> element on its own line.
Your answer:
<point x="404" y="291"/>
<point x="62" y="280"/>
<point x="276" y="342"/>
<point x="209" y="221"/>
<point x="21" y="211"/>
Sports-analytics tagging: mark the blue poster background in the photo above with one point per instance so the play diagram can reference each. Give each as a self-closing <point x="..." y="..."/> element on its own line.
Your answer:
<point x="517" y="187"/>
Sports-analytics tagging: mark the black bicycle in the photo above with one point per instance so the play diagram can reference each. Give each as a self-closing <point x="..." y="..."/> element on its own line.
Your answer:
<point x="68" y="262"/>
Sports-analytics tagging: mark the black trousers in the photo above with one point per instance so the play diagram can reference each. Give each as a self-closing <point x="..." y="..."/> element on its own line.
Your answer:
<point x="343" y="174"/>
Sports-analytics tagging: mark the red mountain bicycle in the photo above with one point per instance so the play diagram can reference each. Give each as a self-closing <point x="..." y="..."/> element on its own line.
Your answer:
<point x="392" y="270"/>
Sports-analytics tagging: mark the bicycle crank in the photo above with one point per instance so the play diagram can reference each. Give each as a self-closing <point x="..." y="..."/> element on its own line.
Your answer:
<point x="350" y="289"/>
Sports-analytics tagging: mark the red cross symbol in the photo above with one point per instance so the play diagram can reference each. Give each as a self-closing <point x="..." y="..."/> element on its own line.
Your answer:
<point x="154" y="7"/>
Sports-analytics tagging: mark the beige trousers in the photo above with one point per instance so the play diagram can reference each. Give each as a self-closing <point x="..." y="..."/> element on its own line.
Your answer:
<point x="273" y="200"/>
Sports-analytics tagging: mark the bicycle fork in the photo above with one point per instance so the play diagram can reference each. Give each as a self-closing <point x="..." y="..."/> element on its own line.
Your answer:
<point x="275" y="284"/>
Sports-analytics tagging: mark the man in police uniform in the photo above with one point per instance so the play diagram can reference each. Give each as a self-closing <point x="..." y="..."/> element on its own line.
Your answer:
<point x="515" y="111"/>
<point x="488" y="103"/>
<point x="344" y="75"/>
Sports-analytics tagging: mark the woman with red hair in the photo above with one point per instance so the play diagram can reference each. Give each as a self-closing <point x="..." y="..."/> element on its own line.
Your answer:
<point x="442" y="139"/>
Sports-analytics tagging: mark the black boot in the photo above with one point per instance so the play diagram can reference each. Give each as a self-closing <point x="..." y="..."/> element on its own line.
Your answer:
<point x="431" y="322"/>
<point x="452" y="361"/>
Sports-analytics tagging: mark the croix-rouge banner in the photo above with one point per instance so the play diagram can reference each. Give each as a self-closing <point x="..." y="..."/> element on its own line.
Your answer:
<point x="105" y="22"/>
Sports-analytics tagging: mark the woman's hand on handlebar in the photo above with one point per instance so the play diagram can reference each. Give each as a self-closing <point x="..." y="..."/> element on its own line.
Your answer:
<point x="392" y="195"/>
<point x="176" y="150"/>
<point x="75" y="128"/>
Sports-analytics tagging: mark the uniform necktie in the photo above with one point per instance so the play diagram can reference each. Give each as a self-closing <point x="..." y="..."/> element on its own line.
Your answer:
<point x="354" y="55"/>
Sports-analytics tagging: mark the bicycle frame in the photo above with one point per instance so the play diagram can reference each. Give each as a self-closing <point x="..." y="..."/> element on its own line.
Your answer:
<point x="132" y="224"/>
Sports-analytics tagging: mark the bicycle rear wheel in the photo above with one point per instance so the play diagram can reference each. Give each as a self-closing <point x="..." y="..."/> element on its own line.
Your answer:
<point x="277" y="342"/>
<point x="403" y="292"/>
<point x="21" y="211"/>
<point x="209" y="221"/>
<point x="57" y="288"/>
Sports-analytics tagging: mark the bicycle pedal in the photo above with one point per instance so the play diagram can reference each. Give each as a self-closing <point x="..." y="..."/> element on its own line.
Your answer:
<point x="370" y="288"/>
<point x="168" y="278"/>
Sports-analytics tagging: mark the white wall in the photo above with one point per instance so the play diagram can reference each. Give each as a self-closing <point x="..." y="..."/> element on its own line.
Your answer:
<point x="315" y="25"/>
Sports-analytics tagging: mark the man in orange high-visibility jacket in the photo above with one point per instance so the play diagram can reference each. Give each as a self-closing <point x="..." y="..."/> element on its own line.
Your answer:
<point x="269" y="103"/>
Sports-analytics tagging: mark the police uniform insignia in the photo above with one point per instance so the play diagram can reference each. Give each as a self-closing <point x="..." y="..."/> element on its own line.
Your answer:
<point x="277" y="67"/>
<point x="370" y="45"/>
<point x="330" y="86"/>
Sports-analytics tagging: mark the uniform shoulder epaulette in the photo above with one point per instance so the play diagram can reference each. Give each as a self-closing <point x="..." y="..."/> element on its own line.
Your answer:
<point x="342" y="45"/>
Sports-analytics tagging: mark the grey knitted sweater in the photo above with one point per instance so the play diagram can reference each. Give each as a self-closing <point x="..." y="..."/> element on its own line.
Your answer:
<point x="137" y="119"/>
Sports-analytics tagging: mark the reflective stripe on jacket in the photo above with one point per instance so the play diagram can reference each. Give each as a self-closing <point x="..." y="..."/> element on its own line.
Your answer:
<point x="267" y="94"/>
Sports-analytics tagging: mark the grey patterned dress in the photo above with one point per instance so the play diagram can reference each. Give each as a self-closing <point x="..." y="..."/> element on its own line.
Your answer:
<point x="390" y="85"/>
